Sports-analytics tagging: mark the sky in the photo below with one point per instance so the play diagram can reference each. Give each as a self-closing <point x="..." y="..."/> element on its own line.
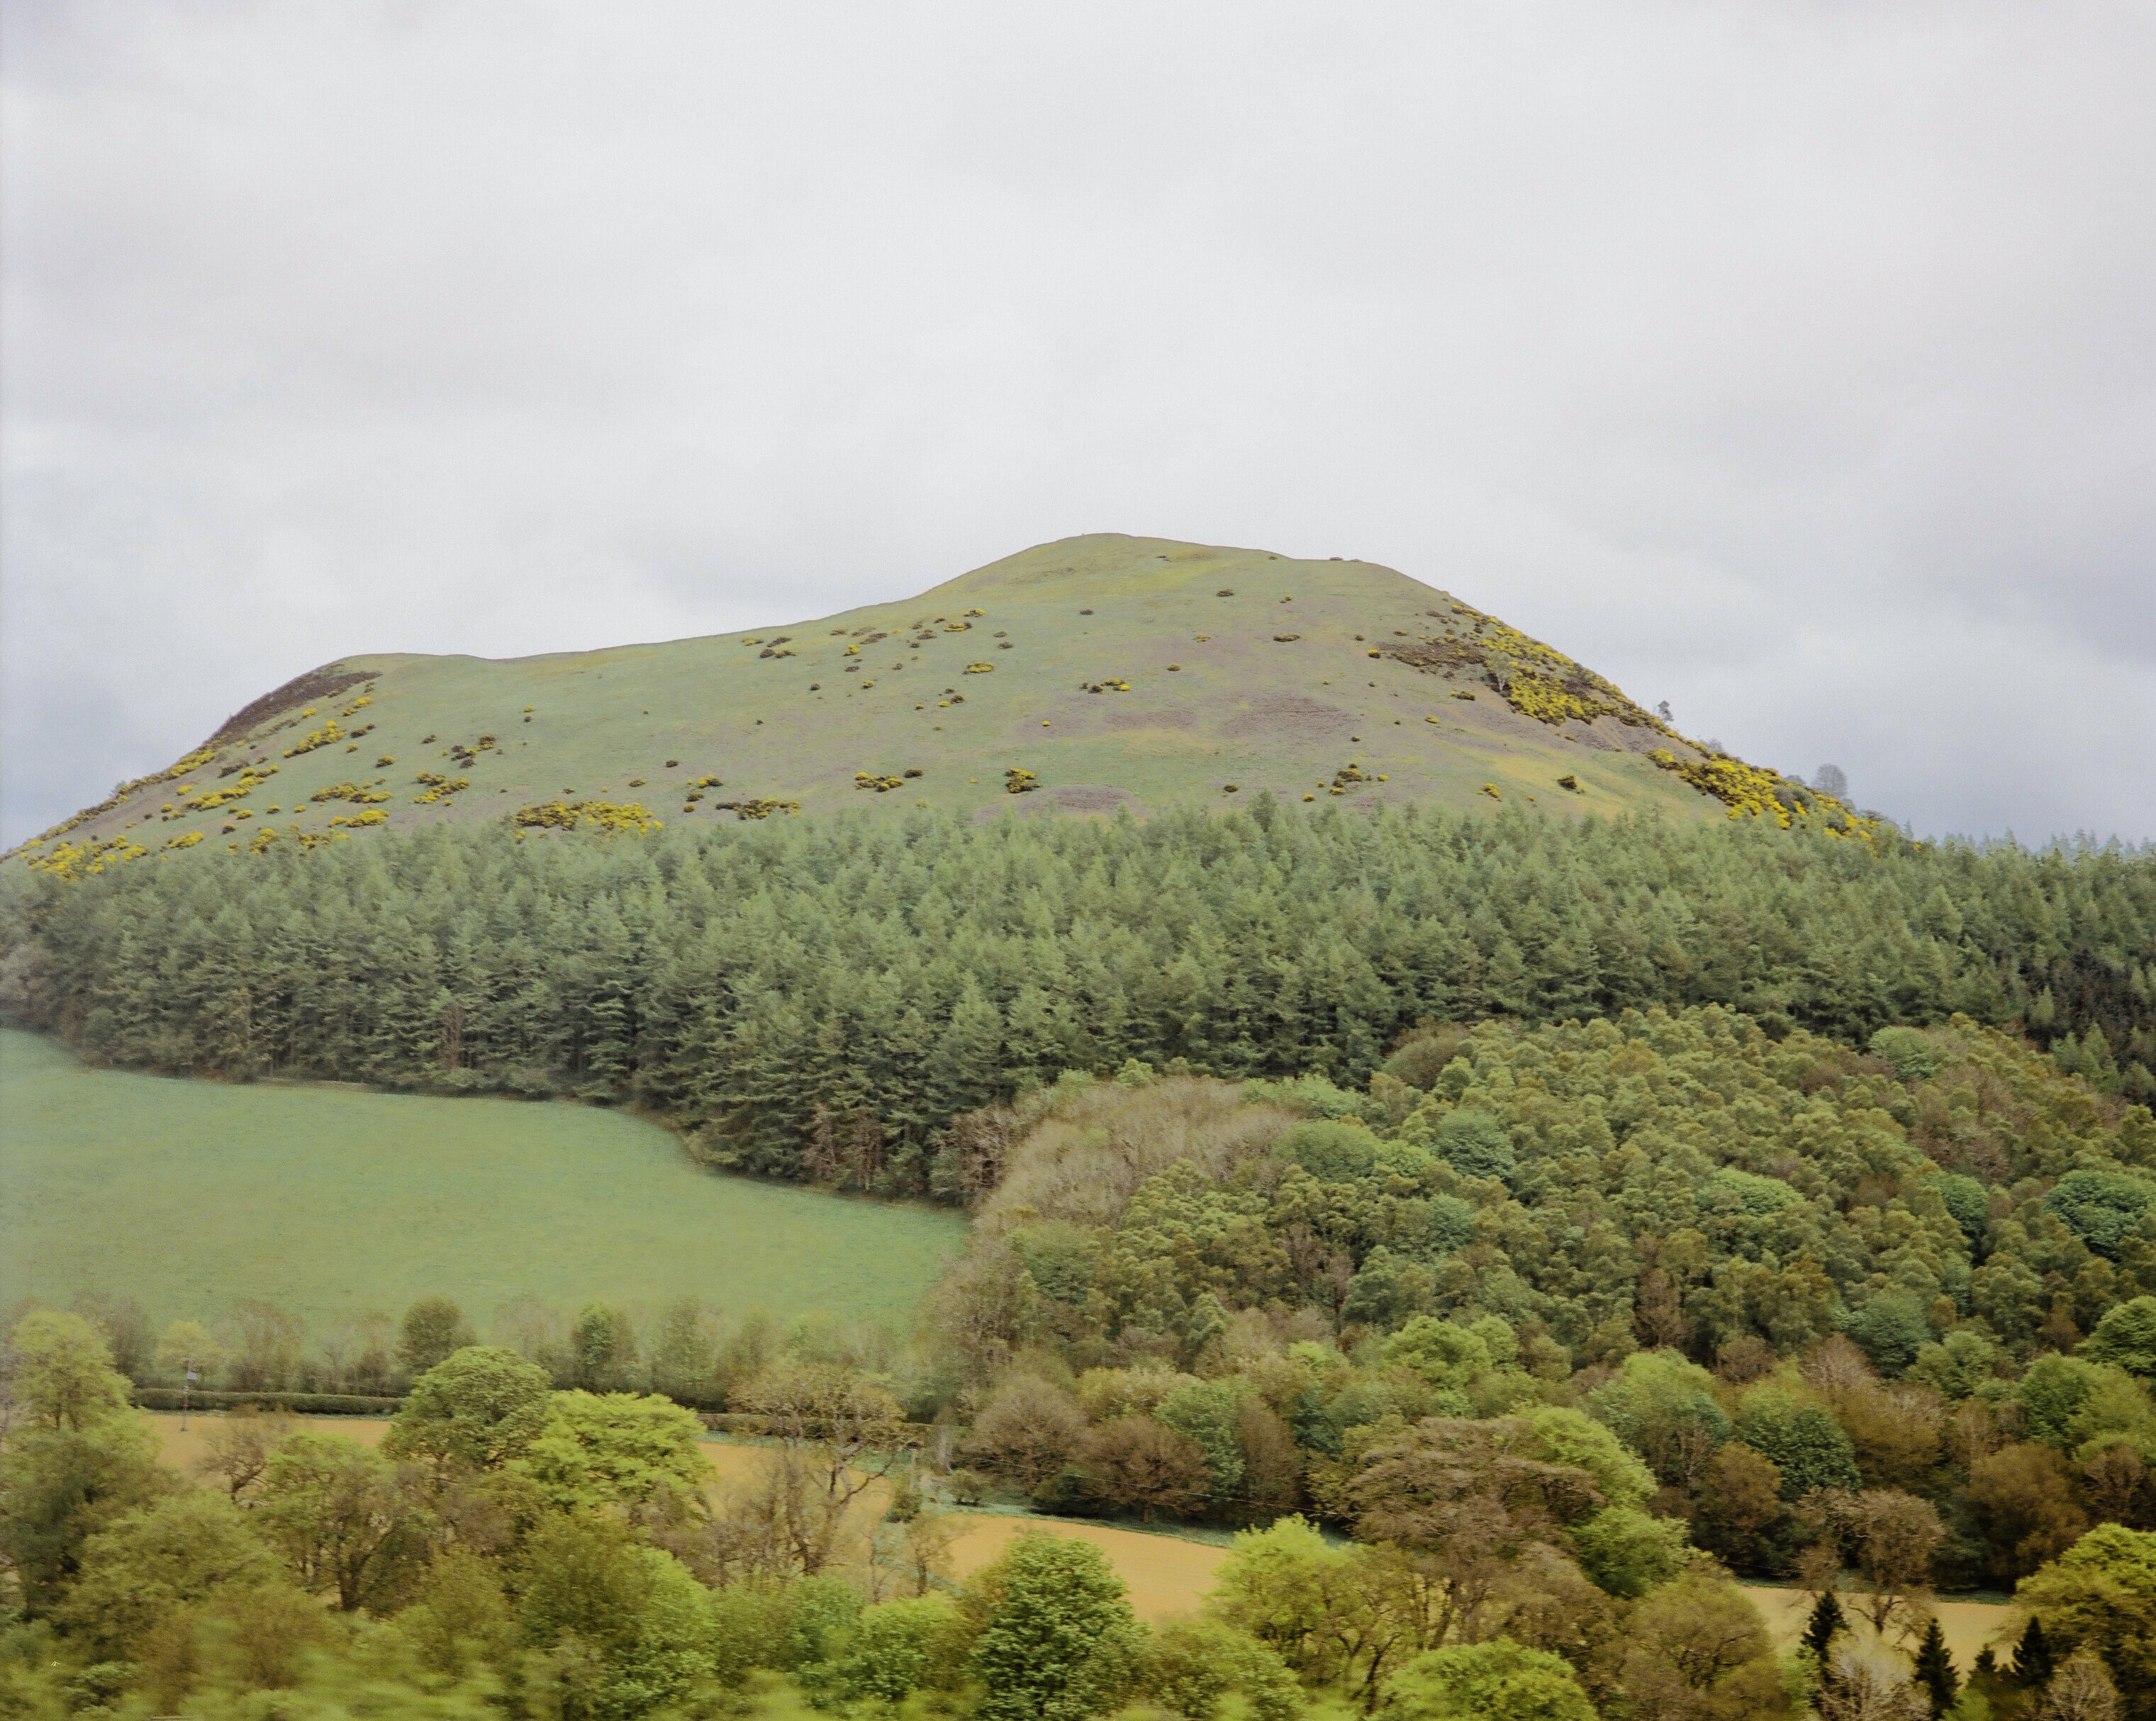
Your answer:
<point x="1794" y="363"/>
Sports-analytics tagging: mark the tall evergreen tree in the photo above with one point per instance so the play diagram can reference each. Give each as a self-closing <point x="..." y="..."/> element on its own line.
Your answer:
<point x="1935" y="1669"/>
<point x="1826" y="1623"/>
<point x="2033" y="1665"/>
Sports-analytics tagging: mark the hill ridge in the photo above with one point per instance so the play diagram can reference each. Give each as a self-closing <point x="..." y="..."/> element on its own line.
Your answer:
<point x="1087" y="673"/>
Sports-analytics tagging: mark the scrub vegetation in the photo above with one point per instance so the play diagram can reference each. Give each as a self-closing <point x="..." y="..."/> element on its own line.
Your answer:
<point x="1563" y="1327"/>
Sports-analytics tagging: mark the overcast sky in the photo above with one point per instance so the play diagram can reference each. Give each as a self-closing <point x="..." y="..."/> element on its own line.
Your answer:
<point x="1794" y="363"/>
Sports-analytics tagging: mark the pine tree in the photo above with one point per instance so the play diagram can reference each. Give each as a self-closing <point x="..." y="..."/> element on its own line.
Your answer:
<point x="1827" y="1622"/>
<point x="1935" y="1669"/>
<point x="2032" y="1656"/>
<point x="1992" y="1683"/>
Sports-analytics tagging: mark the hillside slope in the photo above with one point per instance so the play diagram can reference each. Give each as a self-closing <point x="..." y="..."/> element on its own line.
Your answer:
<point x="1116" y="671"/>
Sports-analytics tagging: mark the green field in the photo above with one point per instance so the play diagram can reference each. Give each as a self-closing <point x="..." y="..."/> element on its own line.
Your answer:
<point x="332" y="1202"/>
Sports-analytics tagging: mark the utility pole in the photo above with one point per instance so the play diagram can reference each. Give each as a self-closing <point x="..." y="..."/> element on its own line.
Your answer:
<point x="187" y="1387"/>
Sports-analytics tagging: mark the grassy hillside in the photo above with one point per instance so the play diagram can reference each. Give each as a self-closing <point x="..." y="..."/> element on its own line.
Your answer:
<point x="330" y="1202"/>
<point x="1116" y="671"/>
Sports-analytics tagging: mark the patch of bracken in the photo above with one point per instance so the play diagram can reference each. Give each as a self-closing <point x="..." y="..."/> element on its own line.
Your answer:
<point x="316" y="685"/>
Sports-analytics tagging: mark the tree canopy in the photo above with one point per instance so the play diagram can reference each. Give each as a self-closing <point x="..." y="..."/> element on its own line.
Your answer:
<point x="818" y="997"/>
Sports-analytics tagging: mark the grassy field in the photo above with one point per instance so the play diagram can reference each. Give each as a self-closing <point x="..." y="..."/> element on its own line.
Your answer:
<point x="1279" y="685"/>
<point x="332" y="1202"/>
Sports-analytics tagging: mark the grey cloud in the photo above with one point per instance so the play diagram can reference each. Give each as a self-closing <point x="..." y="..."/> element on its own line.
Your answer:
<point x="1795" y="362"/>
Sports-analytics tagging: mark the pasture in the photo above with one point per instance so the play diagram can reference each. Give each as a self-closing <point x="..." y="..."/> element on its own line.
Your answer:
<point x="332" y="1202"/>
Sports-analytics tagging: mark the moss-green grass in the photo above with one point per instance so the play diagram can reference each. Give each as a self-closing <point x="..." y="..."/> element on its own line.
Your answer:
<point x="1240" y="706"/>
<point x="332" y="1202"/>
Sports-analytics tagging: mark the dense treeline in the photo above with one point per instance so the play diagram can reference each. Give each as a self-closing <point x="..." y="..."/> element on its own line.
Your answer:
<point x="1882" y="1321"/>
<point x="1661" y="1180"/>
<point x="818" y="998"/>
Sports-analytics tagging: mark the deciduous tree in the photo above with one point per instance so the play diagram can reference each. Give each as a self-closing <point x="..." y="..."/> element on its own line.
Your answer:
<point x="480" y="1408"/>
<point x="2023" y="1497"/>
<point x="1057" y="1640"/>
<point x="1028" y="1431"/>
<point x="434" y="1327"/>
<point x="342" y="1518"/>
<point x="1139" y="1465"/>
<point x="1497" y="1681"/>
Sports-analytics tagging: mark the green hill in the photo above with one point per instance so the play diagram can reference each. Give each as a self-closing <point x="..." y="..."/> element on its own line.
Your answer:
<point x="1104" y="671"/>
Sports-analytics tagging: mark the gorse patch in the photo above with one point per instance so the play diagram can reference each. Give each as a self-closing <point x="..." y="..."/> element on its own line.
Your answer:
<point x="1749" y="790"/>
<point x="629" y="816"/>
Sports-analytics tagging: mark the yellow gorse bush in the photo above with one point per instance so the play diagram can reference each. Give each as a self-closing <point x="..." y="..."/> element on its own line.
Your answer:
<point x="1536" y="680"/>
<point x="1751" y="791"/>
<point x="269" y="837"/>
<point x="1547" y="701"/>
<point x="327" y="736"/>
<point x="760" y="807"/>
<point x="82" y="860"/>
<point x="245" y="785"/>
<point x="133" y="785"/>
<point x="614" y="816"/>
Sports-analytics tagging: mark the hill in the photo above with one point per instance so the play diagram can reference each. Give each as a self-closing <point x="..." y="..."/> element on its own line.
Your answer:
<point x="107" y="1188"/>
<point x="1091" y="674"/>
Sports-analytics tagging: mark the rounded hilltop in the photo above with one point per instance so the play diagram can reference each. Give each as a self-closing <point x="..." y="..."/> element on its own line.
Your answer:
<point x="1088" y="676"/>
